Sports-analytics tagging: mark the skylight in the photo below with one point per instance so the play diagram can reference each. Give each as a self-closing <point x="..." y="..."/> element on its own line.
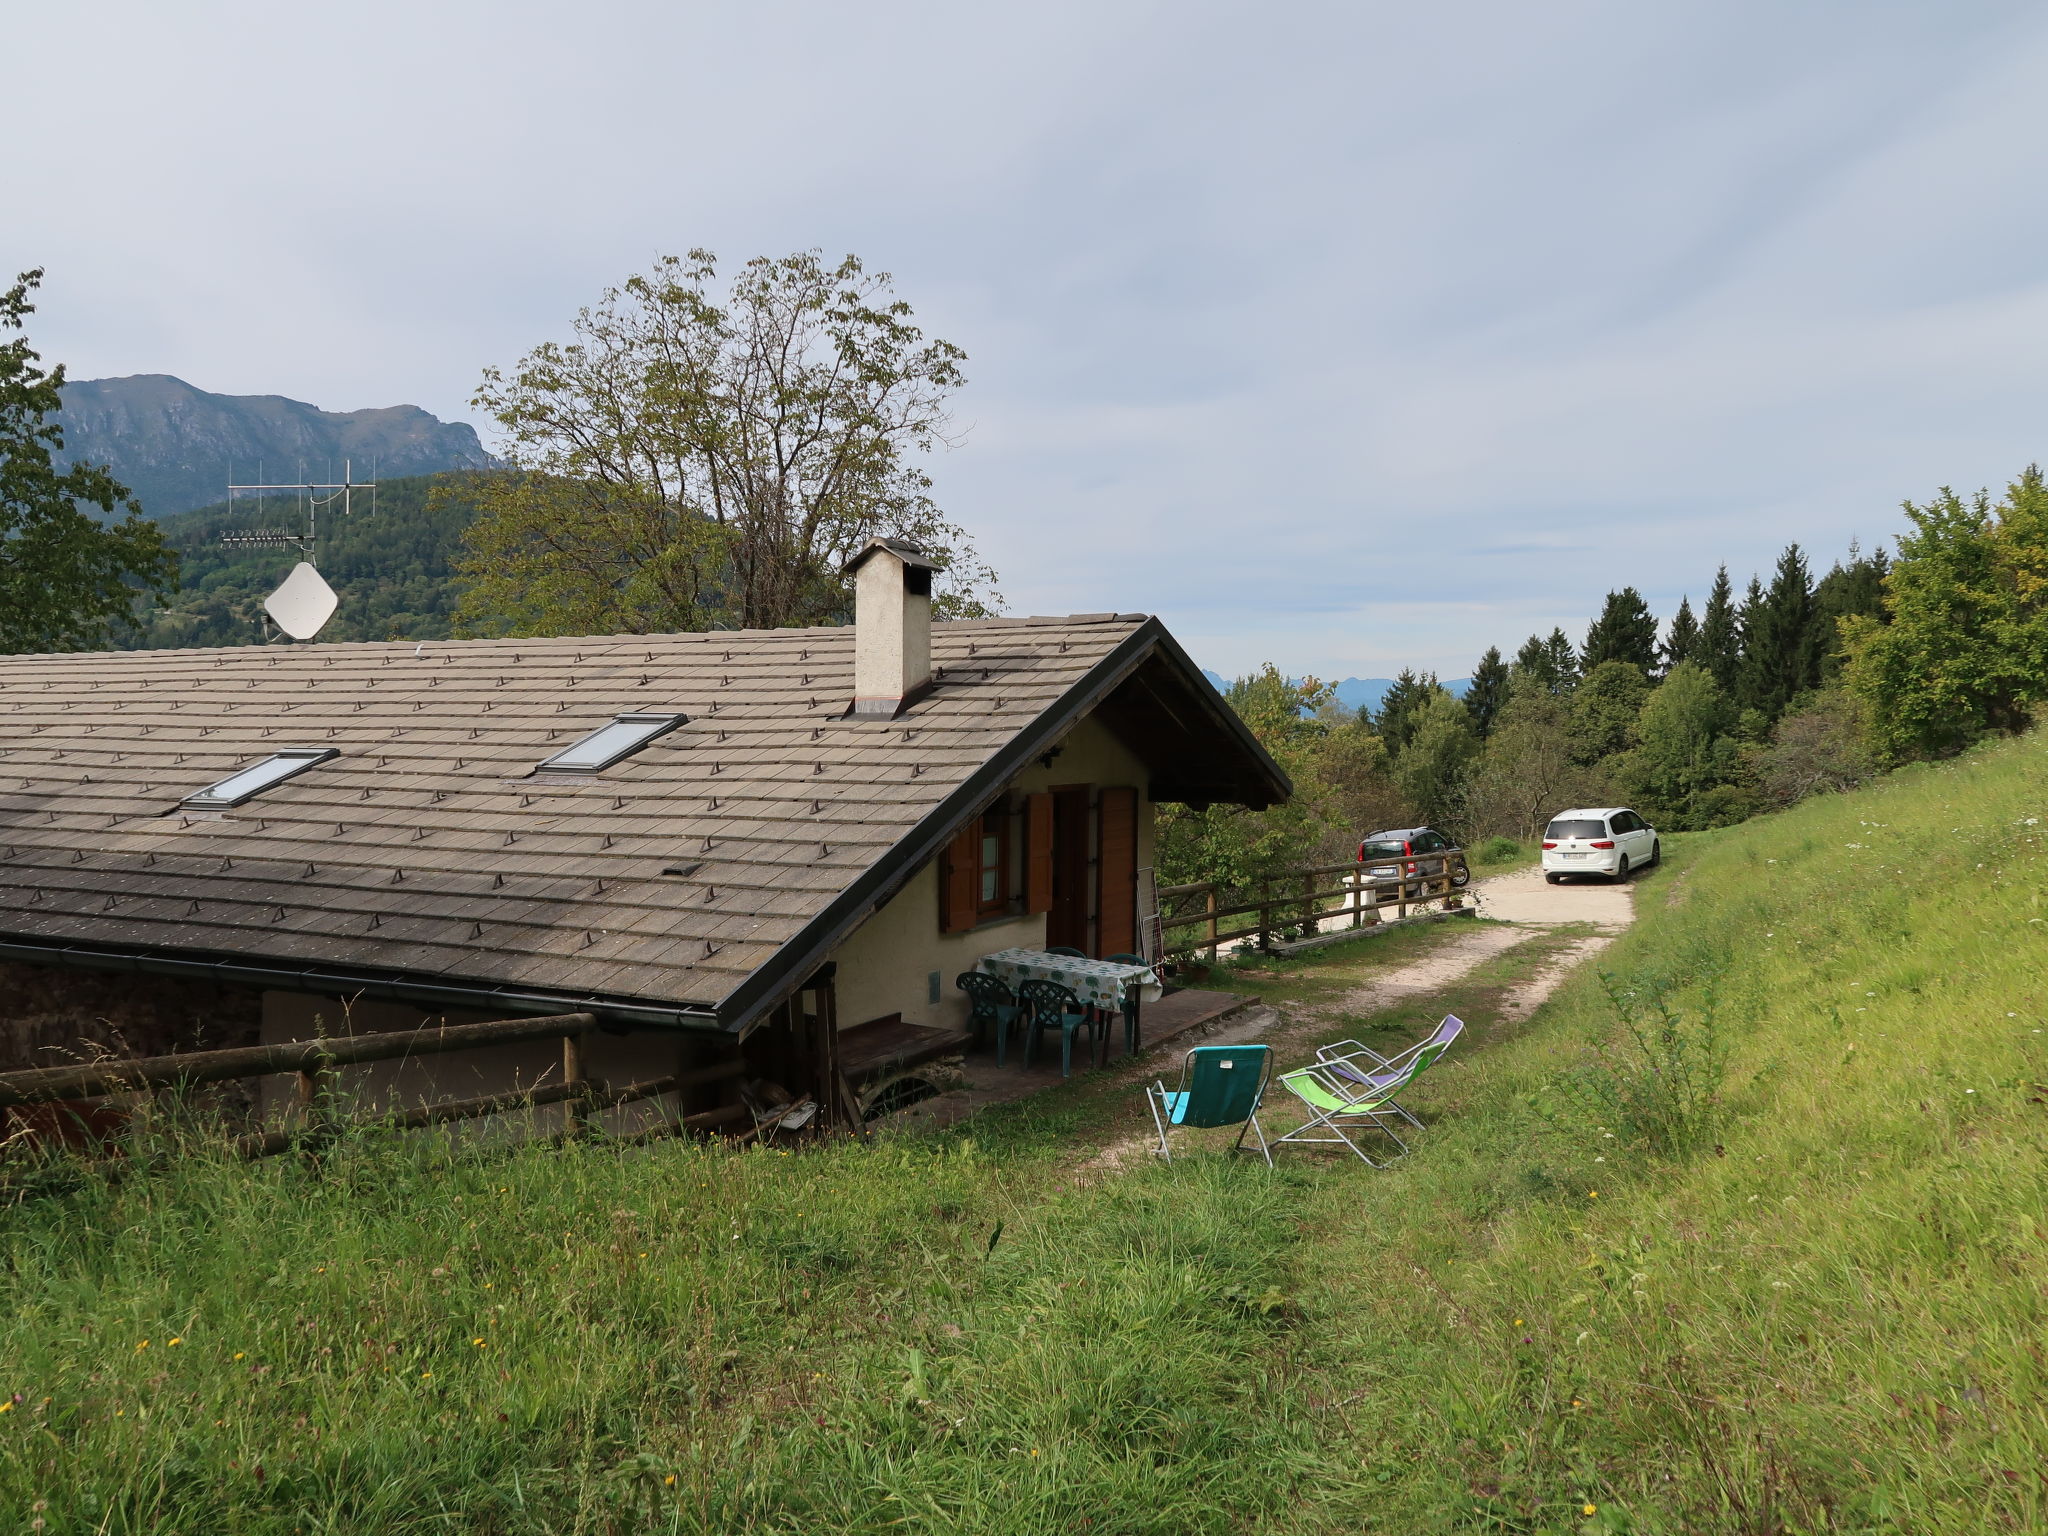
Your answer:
<point x="604" y="746"/>
<point x="257" y="777"/>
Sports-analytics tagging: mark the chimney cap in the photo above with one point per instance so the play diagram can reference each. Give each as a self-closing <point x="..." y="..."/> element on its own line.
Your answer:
<point x="909" y="553"/>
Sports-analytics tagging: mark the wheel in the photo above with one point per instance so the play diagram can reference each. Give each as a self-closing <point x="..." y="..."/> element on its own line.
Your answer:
<point x="1656" y="852"/>
<point x="1460" y="877"/>
<point x="1553" y="877"/>
<point x="1621" y="871"/>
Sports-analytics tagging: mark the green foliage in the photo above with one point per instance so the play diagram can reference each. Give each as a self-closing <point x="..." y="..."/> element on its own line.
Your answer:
<point x="1235" y="846"/>
<point x="391" y="562"/>
<point x="1625" y="631"/>
<point x="1822" y="746"/>
<point x="689" y="463"/>
<point x="1495" y="851"/>
<point x="1781" y="646"/>
<point x="1529" y="770"/>
<point x="1851" y="589"/>
<point x="1433" y="770"/>
<point x="1720" y="634"/>
<point x="1684" y="752"/>
<point x="1550" y="666"/>
<point x="1402" y="707"/>
<point x="1651" y="1082"/>
<point x="1683" y="641"/>
<point x="1966" y="651"/>
<point x="1487" y="692"/>
<point x="66" y="578"/>
<point x="1605" y="707"/>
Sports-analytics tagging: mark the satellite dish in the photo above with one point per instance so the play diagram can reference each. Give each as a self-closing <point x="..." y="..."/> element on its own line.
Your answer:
<point x="303" y="603"/>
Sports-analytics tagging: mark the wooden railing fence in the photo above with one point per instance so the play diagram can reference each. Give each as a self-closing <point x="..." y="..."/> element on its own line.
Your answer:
<point x="313" y="1062"/>
<point x="1192" y="916"/>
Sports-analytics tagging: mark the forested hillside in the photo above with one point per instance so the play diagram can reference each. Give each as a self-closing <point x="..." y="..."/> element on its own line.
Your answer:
<point x="1796" y="684"/>
<point x="391" y="561"/>
<point x="177" y="447"/>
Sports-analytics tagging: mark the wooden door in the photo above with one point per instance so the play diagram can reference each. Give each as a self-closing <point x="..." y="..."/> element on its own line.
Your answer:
<point x="1066" y="920"/>
<point x="1116" y="871"/>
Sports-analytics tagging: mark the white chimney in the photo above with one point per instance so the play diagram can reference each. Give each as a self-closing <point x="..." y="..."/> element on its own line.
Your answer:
<point x="892" y="627"/>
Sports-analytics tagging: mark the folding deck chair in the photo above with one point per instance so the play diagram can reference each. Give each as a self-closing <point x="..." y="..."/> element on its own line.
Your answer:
<point x="1343" y="1096"/>
<point x="1343" y="1059"/>
<point x="1219" y="1085"/>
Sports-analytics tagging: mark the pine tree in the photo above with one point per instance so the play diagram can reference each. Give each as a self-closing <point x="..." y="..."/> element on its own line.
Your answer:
<point x="1547" y="666"/>
<point x="1625" y="631"/>
<point x="1849" y="590"/>
<point x="1682" y="643"/>
<point x="1751" y="668"/>
<point x="1720" y="635"/>
<point x="1402" y="705"/>
<point x="1487" y="691"/>
<point x="1563" y="664"/>
<point x="1780" y="658"/>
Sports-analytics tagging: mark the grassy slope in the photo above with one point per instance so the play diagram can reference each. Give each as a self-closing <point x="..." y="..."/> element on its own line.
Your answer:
<point x="1834" y="1325"/>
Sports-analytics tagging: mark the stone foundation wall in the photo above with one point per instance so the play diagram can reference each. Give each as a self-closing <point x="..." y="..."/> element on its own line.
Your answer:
<point x="51" y="1016"/>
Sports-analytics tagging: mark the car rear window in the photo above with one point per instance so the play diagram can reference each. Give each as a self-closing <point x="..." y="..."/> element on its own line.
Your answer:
<point x="1381" y="850"/>
<point x="1576" y="829"/>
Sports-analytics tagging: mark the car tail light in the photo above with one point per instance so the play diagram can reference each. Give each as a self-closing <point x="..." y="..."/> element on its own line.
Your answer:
<point x="1411" y="869"/>
<point x="1603" y="845"/>
<point x="1550" y="845"/>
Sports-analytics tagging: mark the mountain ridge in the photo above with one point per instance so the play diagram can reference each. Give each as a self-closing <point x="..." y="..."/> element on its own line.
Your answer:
<point x="176" y="446"/>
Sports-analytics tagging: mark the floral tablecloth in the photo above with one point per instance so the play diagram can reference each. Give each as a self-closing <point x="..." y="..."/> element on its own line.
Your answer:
<point x="1098" y="983"/>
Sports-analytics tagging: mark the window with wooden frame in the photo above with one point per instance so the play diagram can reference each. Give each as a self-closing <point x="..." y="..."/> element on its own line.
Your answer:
<point x="992" y="865"/>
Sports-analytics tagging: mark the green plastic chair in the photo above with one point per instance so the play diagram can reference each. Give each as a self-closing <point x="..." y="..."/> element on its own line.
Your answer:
<point x="1062" y="949"/>
<point x="1048" y="1005"/>
<point x="1219" y="1085"/>
<point x="993" y="1004"/>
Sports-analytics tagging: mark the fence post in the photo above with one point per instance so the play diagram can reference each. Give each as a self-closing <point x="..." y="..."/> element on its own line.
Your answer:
<point x="1212" y="924"/>
<point x="1266" y="915"/>
<point x="576" y="1108"/>
<point x="1308" y="905"/>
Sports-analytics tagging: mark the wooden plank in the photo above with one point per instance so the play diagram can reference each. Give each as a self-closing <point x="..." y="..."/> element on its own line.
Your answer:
<point x="1116" y="872"/>
<point x="1038" y="853"/>
<point x="304" y="1056"/>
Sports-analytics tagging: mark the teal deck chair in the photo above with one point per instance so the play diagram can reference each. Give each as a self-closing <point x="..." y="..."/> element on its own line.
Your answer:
<point x="1219" y="1085"/>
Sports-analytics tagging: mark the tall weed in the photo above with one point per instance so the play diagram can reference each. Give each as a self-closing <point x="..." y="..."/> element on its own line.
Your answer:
<point x="1653" y="1082"/>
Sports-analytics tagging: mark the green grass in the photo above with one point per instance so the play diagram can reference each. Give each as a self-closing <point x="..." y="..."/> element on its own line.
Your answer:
<point x="1833" y="1320"/>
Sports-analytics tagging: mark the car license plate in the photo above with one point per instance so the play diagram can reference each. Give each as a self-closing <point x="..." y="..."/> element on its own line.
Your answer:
<point x="1575" y="855"/>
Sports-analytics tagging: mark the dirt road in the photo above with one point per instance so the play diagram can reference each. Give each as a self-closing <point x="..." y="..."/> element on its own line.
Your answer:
<point x="1524" y="897"/>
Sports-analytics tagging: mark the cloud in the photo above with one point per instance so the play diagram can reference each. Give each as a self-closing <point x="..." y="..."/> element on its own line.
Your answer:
<point x="1345" y="336"/>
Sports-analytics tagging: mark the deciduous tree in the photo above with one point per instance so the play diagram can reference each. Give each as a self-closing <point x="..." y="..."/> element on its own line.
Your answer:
<point x="66" y="578"/>
<point x="691" y="462"/>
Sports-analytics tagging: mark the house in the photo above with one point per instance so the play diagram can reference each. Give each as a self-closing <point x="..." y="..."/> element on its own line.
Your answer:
<point x="735" y="839"/>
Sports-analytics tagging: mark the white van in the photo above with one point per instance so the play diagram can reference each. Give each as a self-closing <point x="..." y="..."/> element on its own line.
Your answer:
<point x="1610" y="841"/>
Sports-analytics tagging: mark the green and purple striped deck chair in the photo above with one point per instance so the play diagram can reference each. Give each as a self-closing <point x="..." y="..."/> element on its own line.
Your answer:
<point x="1347" y="1091"/>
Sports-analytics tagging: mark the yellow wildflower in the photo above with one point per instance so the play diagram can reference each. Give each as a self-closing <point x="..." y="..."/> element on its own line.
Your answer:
<point x="1590" y="1509"/>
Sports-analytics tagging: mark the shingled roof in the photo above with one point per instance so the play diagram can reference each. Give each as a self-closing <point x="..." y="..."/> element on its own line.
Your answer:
<point x="695" y="882"/>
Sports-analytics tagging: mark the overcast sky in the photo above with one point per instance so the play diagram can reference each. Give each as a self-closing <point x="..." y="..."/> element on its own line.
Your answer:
<point x="1347" y="335"/>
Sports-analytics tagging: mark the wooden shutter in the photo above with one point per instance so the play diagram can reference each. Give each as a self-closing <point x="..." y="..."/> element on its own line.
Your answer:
<point x="959" y="867"/>
<point x="1116" y="902"/>
<point x="1038" y="853"/>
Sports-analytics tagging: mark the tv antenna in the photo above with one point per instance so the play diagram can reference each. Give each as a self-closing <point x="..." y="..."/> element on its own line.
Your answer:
<point x="304" y="602"/>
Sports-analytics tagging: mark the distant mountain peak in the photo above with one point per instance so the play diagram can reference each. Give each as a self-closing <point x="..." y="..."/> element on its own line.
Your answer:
<point x="177" y="446"/>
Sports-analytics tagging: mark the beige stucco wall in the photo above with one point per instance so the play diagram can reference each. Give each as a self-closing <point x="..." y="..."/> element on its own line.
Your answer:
<point x="379" y="1085"/>
<point x="886" y="965"/>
